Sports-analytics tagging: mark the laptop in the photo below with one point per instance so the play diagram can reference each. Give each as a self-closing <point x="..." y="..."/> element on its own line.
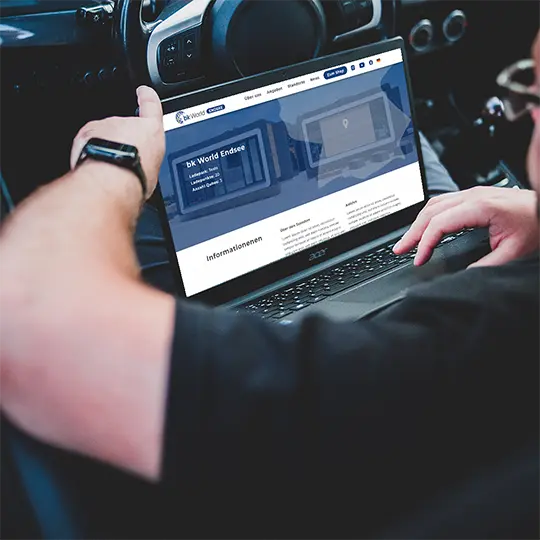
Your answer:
<point x="282" y="194"/>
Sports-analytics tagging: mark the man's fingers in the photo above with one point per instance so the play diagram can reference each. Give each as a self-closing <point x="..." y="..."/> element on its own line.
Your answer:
<point x="149" y="103"/>
<point x="452" y="220"/>
<point x="438" y="205"/>
<point x="434" y="207"/>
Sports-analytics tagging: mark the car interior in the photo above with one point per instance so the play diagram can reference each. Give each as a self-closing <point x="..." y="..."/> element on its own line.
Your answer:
<point x="67" y="62"/>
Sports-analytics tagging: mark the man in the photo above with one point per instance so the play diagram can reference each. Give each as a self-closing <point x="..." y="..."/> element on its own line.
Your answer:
<point x="319" y="429"/>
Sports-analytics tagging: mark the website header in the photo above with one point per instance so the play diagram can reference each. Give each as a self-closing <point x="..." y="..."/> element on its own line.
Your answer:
<point x="278" y="90"/>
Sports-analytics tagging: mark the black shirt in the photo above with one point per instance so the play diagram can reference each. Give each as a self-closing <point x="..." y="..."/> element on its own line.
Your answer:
<point x="325" y="429"/>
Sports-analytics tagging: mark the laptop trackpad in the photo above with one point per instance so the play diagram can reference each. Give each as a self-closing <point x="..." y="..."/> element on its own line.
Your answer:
<point x="356" y="310"/>
<point x="383" y="291"/>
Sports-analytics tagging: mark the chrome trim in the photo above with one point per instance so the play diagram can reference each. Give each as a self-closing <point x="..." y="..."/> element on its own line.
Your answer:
<point x="185" y="18"/>
<point x="448" y="20"/>
<point x="428" y="25"/>
<point x="375" y="21"/>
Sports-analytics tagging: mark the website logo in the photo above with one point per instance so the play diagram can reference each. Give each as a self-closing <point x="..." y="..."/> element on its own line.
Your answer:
<point x="183" y="117"/>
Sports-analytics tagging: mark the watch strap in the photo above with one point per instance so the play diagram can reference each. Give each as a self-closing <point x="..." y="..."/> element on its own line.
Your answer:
<point x="91" y="148"/>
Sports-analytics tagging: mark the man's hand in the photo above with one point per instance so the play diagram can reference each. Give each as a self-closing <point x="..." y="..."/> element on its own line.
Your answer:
<point x="145" y="133"/>
<point x="510" y="215"/>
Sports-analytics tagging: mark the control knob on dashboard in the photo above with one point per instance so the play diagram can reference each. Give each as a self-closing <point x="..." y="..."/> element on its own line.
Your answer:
<point x="421" y="35"/>
<point x="96" y="14"/>
<point x="454" y="25"/>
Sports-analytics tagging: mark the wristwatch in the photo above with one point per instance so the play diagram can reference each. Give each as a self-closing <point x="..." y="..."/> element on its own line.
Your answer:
<point x="123" y="155"/>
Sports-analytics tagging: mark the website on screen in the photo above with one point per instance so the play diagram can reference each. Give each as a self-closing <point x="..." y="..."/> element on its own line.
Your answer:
<point x="257" y="176"/>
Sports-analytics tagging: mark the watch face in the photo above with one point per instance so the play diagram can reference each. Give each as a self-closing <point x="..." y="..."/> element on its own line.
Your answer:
<point x="113" y="146"/>
<point x="111" y="151"/>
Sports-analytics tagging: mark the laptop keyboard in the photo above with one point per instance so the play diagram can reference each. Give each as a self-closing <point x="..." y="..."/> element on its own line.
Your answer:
<point x="332" y="281"/>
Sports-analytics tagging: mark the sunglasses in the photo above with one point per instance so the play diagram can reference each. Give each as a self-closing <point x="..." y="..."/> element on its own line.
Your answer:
<point x="522" y="92"/>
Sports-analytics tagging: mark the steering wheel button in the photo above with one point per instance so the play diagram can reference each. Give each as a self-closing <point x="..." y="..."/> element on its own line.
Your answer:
<point x="366" y="11"/>
<point x="171" y="47"/>
<point x="348" y="7"/>
<point x="189" y="56"/>
<point x="189" y="41"/>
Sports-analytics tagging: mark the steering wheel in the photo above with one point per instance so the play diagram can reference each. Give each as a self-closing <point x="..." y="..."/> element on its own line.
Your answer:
<point x="194" y="40"/>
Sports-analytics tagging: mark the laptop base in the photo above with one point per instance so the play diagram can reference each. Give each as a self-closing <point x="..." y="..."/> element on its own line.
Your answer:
<point x="383" y="290"/>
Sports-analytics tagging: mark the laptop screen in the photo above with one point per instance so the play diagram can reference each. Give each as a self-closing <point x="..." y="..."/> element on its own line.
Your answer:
<point x="258" y="176"/>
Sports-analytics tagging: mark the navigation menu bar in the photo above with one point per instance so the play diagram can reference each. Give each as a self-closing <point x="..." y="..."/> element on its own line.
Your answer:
<point x="284" y="88"/>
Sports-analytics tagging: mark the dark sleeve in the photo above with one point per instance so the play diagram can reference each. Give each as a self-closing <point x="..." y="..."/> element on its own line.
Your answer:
<point x="324" y="429"/>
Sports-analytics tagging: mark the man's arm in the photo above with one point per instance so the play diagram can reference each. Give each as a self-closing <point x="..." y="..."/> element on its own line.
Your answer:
<point x="84" y="343"/>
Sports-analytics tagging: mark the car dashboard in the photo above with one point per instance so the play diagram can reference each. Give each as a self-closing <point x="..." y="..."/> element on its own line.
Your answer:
<point x="60" y="70"/>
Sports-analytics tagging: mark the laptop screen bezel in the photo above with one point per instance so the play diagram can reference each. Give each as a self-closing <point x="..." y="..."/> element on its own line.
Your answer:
<point x="298" y="262"/>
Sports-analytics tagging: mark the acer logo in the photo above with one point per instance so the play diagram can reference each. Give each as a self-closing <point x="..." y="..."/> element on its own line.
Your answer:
<point x="317" y="254"/>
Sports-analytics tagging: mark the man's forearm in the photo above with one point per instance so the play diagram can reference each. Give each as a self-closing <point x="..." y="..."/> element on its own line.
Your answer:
<point x="90" y="212"/>
<point x="101" y="337"/>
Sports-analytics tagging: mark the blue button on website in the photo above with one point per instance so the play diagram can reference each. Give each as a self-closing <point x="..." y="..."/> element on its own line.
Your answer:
<point x="215" y="109"/>
<point x="336" y="72"/>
